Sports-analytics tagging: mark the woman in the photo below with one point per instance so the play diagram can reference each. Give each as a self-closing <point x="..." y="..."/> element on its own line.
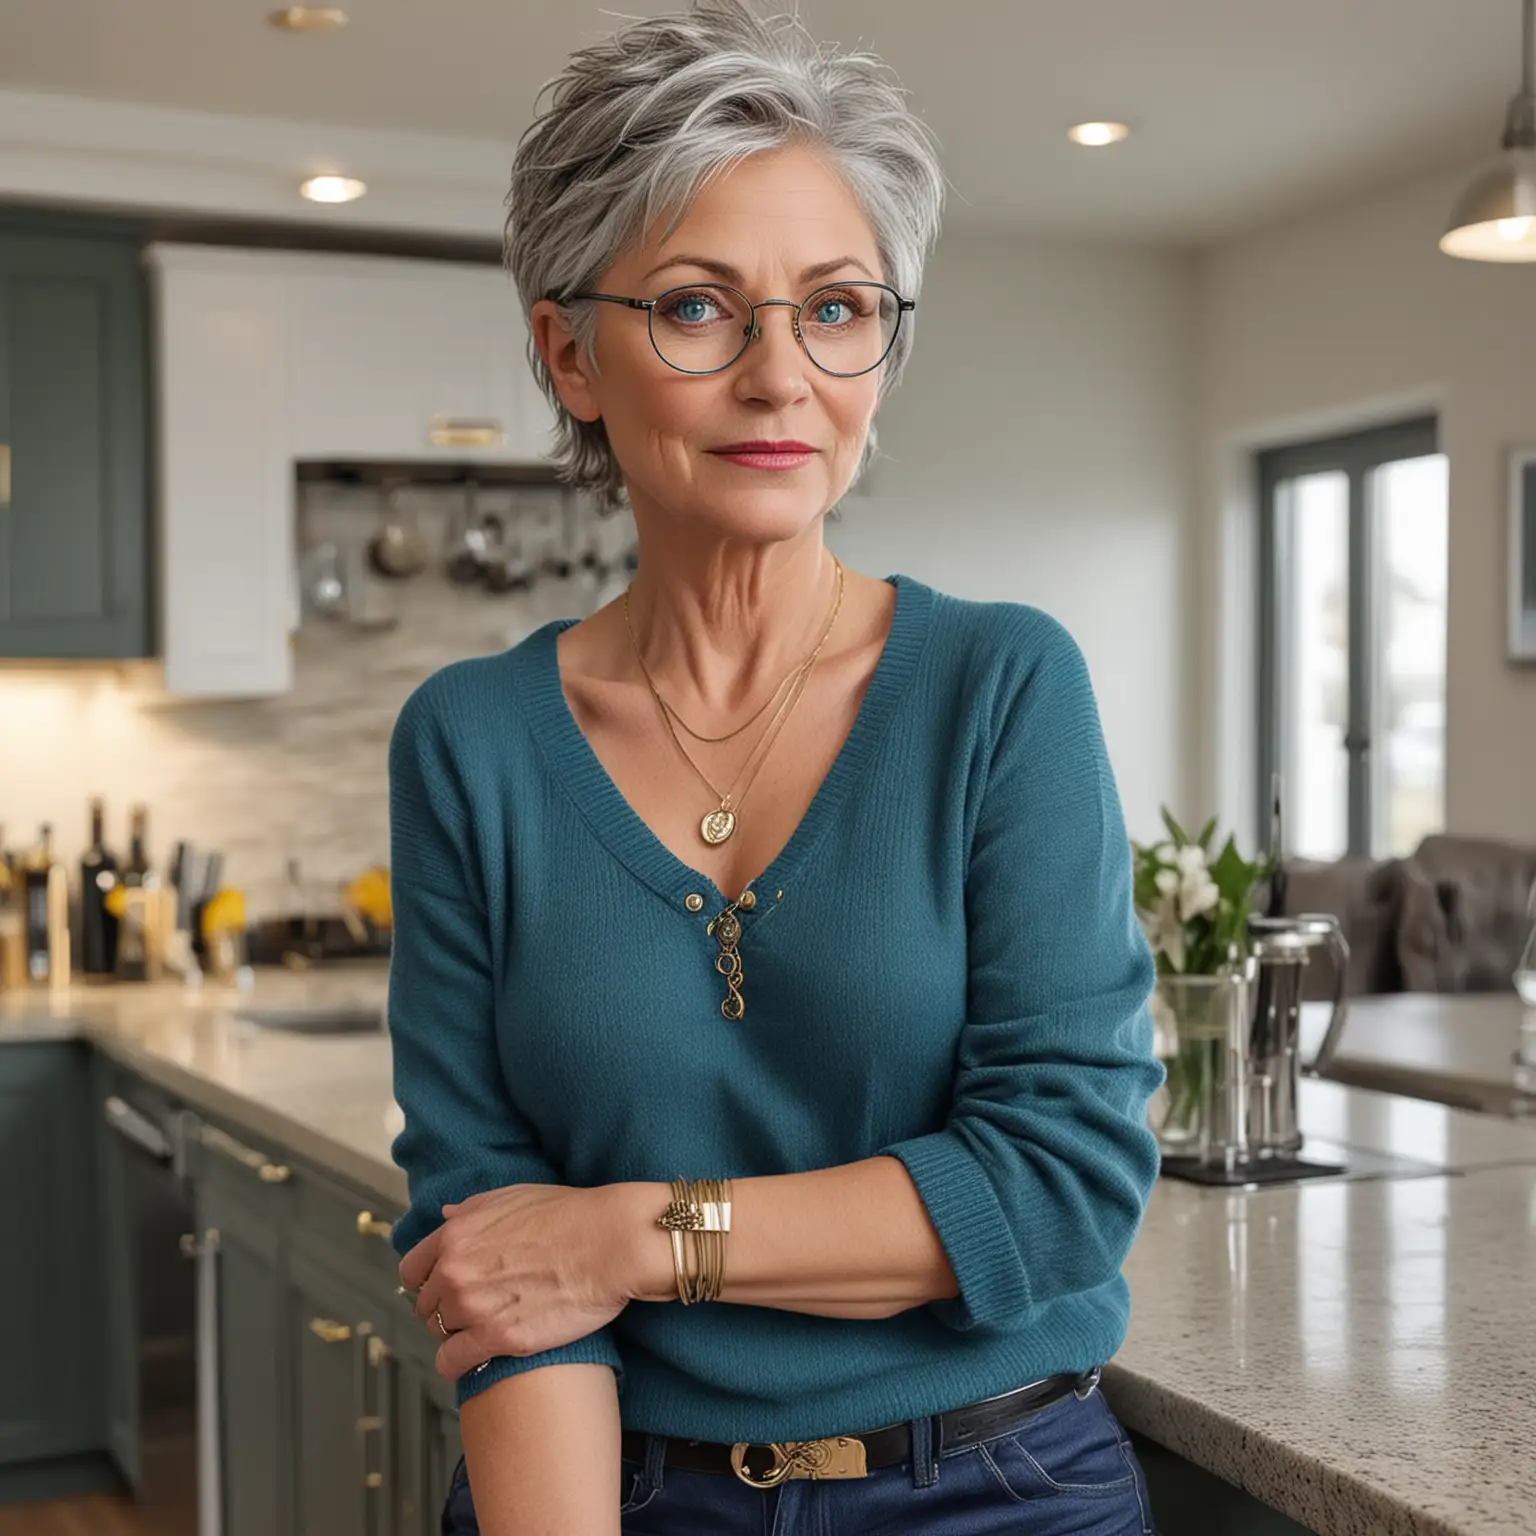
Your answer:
<point x="769" y="872"/>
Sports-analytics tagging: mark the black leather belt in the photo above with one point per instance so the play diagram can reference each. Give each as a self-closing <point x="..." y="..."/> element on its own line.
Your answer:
<point x="854" y="1455"/>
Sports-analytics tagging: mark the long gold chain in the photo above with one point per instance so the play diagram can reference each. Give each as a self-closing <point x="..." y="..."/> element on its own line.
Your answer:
<point x="719" y="824"/>
<point x="699" y="736"/>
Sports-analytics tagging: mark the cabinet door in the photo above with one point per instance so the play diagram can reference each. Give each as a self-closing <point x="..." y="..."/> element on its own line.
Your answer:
<point x="255" y="1426"/>
<point x="427" y="1447"/>
<point x="339" y="1412"/>
<point x="50" y="1310"/>
<point x="406" y="360"/>
<point x="225" y="477"/>
<point x="73" y="451"/>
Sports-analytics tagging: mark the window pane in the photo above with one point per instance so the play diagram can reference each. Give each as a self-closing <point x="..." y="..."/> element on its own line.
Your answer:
<point x="1408" y="581"/>
<point x="1312" y="530"/>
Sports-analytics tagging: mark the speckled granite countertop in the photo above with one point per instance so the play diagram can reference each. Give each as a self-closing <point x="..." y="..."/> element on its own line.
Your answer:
<point x="1360" y="1355"/>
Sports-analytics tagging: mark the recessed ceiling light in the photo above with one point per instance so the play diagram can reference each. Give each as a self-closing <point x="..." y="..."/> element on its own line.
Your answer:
<point x="333" y="189"/>
<point x="1097" y="135"/>
<point x="308" y="18"/>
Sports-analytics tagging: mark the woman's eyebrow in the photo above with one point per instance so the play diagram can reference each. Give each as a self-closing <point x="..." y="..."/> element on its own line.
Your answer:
<point x="725" y="270"/>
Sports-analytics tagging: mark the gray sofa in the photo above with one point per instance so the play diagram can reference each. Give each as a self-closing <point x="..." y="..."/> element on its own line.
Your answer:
<point x="1452" y="917"/>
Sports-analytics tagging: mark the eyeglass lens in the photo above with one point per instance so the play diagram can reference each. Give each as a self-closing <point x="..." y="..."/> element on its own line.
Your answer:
<point x="846" y="327"/>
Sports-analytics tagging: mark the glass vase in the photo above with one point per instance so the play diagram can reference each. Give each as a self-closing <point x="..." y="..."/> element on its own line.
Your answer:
<point x="1194" y="1020"/>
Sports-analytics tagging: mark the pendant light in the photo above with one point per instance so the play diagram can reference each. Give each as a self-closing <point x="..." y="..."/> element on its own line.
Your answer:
<point x="1495" y="218"/>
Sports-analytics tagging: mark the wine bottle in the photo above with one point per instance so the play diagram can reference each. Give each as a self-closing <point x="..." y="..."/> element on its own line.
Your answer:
<point x="136" y="870"/>
<point x="98" y="927"/>
<point x="34" y="898"/>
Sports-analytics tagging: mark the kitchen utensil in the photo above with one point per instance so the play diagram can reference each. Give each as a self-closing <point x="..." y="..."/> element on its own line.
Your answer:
<point x="324" y="580"/>
<point x="468" y="543"/>
<point x="591" y="544"/>
<point x="506" y="565"/>
<point x="399" y="549"/>
<point x="213" y="873"/>
<point x="181" y="855"/>
<point x="371" y="606"/>
<point x="558" y="522"/>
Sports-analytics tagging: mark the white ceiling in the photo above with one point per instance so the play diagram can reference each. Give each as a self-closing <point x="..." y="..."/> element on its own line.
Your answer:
<point x="1245" y="112"/>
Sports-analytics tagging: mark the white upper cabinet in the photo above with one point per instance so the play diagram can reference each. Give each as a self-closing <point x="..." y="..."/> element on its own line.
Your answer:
<point x="267" y="357"/>
<point x="224" y="479"/>
<point x="408" y="359"/>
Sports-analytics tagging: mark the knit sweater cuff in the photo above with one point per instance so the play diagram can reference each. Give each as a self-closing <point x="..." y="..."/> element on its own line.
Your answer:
<point x="973" y="1228"/>
<point x="595" y="1349"/>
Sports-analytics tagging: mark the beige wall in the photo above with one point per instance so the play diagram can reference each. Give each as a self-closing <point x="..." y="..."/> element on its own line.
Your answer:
<point x="1040" y="451"/>
<point x="1344" y="319"/>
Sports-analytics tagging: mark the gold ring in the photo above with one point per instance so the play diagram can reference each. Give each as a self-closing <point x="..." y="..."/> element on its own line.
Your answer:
<point x="441" y="1326"/>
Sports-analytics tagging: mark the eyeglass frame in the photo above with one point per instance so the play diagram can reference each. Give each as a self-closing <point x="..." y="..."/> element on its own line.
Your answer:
<point x="903" y="307"/>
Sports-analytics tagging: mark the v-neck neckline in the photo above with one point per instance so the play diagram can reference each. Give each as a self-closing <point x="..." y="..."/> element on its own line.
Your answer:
<point x="629" y="836"/>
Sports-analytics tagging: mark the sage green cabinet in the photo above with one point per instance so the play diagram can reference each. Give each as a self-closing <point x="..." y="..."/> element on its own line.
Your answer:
<point x="51" y="1297"/>
<point x="239" y="1225"/>
<point x="427" y="1446"/>
<point x="339" y="1410"/>
<point x="74" y="567"/>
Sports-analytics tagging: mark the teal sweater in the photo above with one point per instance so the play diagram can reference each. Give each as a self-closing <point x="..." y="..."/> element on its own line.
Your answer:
<point x="942" y="966"/>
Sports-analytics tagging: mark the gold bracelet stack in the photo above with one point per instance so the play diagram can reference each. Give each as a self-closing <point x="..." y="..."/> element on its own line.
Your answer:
<point x="701" y="1208"/>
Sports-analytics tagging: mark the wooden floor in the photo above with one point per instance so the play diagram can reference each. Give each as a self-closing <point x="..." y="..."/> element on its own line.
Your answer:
<point x="168" y="1450"/>
<point x="97" y="1514"/>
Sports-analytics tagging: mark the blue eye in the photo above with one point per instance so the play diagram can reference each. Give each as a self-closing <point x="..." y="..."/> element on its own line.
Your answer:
<point x="695" y="308"/>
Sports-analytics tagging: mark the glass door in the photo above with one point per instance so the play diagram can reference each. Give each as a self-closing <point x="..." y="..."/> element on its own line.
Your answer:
<point x="1352" y="640"/>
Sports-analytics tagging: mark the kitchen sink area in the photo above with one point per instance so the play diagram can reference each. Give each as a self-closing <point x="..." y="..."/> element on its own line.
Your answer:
<point x="316" y="1021"/>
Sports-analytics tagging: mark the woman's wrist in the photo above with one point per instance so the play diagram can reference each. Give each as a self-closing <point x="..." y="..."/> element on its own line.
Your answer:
<point x="643" y="1249"/>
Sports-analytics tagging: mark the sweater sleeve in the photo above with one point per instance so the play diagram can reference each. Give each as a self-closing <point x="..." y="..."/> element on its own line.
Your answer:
<point x="462" y="1133"/>
<point x="1037" y="1182"/>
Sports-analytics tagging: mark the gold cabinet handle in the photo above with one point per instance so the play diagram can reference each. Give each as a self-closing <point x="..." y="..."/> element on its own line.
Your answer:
<point x="248" y="1157"/>
<point x="369" y="1225"/>
<point x="5" y="474"/>
<point x="466" y="432"/>
<point x="329" y="1332"/>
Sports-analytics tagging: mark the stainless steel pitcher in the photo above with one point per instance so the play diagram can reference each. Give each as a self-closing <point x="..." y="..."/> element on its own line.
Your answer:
<point x="1283" y="947"/>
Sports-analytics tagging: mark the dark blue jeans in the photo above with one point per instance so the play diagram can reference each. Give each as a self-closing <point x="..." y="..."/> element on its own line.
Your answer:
<point x="1067" y="1470"/>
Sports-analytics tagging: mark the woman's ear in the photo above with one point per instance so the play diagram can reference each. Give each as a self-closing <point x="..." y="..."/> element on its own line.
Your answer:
<point x="562" y="356"/>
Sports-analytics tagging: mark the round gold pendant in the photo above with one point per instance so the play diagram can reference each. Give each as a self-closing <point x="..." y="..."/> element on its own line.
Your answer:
<point x="717" y="826"/>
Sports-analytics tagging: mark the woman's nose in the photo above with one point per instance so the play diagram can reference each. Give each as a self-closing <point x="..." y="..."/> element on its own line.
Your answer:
<point x="774" y="365"/>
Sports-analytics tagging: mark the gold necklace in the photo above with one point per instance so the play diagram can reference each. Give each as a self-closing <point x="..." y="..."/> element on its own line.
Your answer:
<point x="718" y="824"/>
<point x="713" y="740"/>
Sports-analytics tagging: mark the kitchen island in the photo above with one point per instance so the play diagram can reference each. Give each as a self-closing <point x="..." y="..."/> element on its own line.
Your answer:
<point x="1472" y="1050"/>
<point x="1359" y="1355"/>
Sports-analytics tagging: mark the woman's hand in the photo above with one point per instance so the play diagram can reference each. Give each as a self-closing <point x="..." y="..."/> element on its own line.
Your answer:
<point x="521" y="1269"/>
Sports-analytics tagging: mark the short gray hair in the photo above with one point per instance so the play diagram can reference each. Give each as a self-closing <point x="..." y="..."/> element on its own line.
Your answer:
<point x="642" y="121"/>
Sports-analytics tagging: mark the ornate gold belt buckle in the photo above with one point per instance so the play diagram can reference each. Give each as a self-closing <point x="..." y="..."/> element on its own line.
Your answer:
<point x="839" y="1456"/>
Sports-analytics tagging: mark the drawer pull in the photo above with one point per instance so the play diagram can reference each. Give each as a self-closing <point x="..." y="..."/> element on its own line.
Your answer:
<point x="465" y="432"/>
<point x="248" y="1157"/>
<point x="369" y="1225"/>
<point x="374" y="1480"/>
<point x="329" y="1332"/>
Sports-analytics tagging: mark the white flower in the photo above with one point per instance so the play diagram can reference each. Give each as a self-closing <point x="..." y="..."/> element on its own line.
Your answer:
<point x="1191" y="859"/>
<point x="1197" y="896"/>
<point x="1163" y="853"/>
<point x="1167" y="881"/>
